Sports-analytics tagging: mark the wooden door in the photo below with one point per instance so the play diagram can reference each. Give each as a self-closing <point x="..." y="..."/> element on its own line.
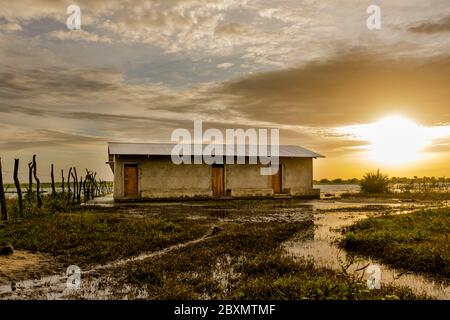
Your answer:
<point x="218" y="180"/>
<point x="130" y="180"/>
<point x="276" y="182"/>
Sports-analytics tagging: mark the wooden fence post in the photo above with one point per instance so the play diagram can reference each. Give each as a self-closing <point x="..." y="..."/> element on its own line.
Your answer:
<point x="53" y="183"/>
<point x="84" y="189"/>
<point x="38" y="183"/>
<point x="17" y="183"/>
<point x="74" y="187"/>
<point x="62" y="180"/>
<point x="79" y="190"/>
<point x="4" y="210"/>
<point x="68" y="185"/>
<point x="30" y="178"/>
<point x="94" y="186"/>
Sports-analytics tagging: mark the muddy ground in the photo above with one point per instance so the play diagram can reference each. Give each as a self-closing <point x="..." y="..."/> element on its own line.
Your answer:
<point x="37" y="275"/>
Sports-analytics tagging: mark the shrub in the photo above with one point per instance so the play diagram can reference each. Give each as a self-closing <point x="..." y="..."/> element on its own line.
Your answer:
<point x="374" y="182"/>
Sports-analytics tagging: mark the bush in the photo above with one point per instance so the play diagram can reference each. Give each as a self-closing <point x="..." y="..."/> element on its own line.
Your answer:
<point x="375" y="182"/>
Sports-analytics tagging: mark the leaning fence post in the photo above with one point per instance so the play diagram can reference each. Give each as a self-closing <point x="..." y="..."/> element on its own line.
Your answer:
<point x="4" y="210"/>
<point x="17" y="183"/>
<point x="74" y="187"/>
<point x="38" y="183"/>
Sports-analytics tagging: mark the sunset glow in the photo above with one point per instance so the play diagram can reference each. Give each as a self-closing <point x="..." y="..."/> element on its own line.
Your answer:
<point x="366" y="96"/>
<point x="396" y="140"/>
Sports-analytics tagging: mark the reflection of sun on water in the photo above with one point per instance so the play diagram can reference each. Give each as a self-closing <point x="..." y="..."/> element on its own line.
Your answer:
<point x="395" y="139"/>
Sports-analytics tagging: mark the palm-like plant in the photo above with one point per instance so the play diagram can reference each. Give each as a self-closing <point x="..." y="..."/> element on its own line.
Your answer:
<point x="375" y="182"/>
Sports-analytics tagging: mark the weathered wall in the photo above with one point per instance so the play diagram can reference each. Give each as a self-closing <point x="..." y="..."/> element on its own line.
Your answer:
<point x="118" y="177"/>
<point x="298" y="176"/>
<point x="160" y="178"/>
<point x="244" y="180"/>
<point x="244" y="176"/>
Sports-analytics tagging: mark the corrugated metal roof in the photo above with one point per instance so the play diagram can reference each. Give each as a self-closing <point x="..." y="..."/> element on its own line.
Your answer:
<point x="121" y="148"/>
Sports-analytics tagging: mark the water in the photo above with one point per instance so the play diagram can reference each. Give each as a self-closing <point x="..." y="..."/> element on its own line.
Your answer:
<point x="337" y="189"/>
<point x="12" y="194"/>
<point x="323" y="251"/>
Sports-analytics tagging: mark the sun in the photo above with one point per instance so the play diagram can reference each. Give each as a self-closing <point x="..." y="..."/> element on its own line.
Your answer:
<point x="395" y="140"/>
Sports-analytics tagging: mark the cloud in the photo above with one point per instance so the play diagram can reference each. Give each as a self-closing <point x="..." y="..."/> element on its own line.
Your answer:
<point x="37" y="138"/>
<point x="442" y="25"/>
<point x="56" y="80"/>
<point x="348" y="88"/>
<point x="78" y="35"/>
<point x="10" y="27"/>
<point x="224" y="65"/>
<point x="230" y="29"/>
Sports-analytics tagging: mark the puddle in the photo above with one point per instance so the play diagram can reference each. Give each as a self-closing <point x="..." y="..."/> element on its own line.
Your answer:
<point x="320" y="248"/>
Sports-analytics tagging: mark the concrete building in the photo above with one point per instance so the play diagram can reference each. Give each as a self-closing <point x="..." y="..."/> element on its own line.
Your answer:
<point x="145" y="171"/>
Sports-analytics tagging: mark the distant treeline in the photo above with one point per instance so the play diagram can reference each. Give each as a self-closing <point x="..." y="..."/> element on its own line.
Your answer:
<point x="392" y="180"/>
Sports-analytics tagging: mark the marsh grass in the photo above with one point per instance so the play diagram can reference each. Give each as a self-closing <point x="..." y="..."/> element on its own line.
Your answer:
<point x="245" y="261"/>
<point x="419" y="241"/>
<point x="50" y="205"/>
<point x="88" y="237"/>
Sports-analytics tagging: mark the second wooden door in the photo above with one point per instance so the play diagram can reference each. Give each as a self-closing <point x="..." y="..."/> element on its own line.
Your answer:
<point x="130" y="180"/>
<point x="218" y="180"/>
<point x="275" y="181"/>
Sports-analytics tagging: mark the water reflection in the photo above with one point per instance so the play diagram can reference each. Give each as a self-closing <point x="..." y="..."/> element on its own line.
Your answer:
<point x="321" y="248"/>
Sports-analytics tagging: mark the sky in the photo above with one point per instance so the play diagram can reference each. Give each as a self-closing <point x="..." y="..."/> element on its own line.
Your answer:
<point x="137" y="70"/>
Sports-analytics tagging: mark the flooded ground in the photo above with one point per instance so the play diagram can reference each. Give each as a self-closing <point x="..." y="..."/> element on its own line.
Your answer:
<point x="322" y="249"/>
<point x="337" y="189"/>
<point x="318" y="244"/>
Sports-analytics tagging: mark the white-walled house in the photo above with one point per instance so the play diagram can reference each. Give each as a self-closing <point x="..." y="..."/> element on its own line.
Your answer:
<point x="145" y="171"/>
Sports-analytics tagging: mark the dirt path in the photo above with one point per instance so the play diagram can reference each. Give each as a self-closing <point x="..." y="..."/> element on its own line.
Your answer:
<point x="24" y="265"/>
<point x="55" y="287"/>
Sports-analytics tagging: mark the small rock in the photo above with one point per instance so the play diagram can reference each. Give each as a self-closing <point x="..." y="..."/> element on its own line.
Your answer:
<point x="216" y="230"/>
<point x="6" y="249"/>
